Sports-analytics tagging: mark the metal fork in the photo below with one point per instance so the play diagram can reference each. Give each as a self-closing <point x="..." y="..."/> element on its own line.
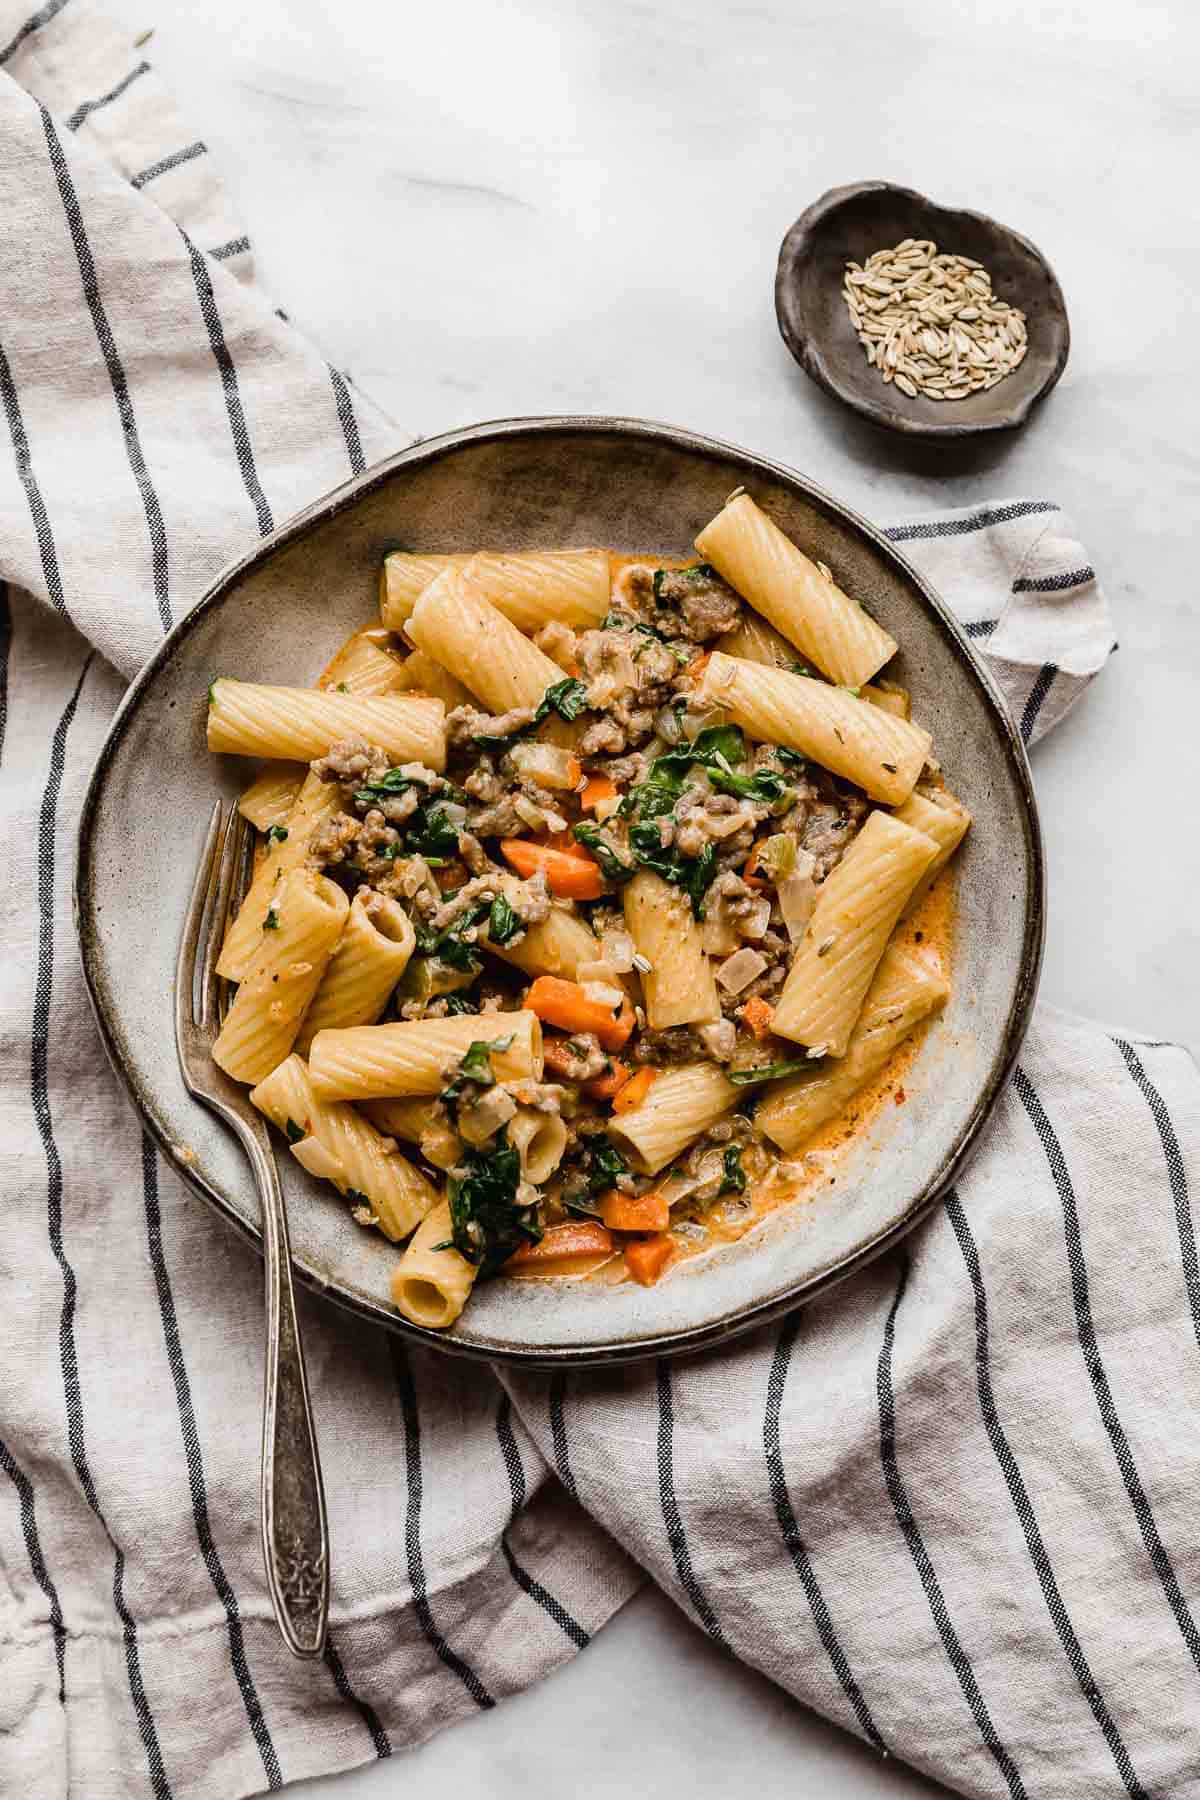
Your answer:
<point x="294" y="1527"/>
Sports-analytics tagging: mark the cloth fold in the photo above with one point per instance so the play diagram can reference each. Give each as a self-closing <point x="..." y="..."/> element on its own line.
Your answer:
<point x="949" y="1505"/>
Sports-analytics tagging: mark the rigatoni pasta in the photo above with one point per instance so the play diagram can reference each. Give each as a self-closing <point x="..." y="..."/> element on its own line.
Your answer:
<point x="800" y="599"/>
<point x="597" y="900"/>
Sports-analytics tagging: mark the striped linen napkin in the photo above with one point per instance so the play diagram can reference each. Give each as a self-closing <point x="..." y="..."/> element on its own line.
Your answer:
<point x="950" y="1506"/>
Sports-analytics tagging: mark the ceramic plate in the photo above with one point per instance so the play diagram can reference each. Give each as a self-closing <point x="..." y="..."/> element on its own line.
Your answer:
<point x="277" y="615"/>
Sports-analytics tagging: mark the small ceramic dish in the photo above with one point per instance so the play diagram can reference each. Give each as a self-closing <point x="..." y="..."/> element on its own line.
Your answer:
<point x="848" y="224"/>
<point x="278" y="615"/>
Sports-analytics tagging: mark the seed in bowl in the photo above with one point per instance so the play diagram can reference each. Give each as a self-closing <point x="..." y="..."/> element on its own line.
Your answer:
<point x="931" y="322"/>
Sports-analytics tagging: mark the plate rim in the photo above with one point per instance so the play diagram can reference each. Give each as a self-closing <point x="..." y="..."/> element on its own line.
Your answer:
<point x="691" y="1338"/>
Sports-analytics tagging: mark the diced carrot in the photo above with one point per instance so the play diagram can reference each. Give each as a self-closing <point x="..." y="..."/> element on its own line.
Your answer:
<point x="568" y="843"/>
<point x="752" y="864"/>
<point x="564" y="1004"/>
<point x="646" y="1258"/>
<point x="557" y="1056"/>
<point x="570" y="877"/>
<point x="635" y="1212"/>
<point x="574" y="772"/>
<point x="758" y="1016"/>
<point x="698" y="664"/>
<point x="597" y="789"/>
<point x="574" y="1242"/>
<point x="635" y="1090"/>
<point x="608" y="1086"/>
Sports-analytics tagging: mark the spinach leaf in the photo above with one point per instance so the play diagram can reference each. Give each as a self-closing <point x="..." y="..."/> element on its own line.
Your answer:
<point x="294" y="1133"/>
<point x="764" y="786"/>
<point x="395" y="781"/>
<point x="733" y="1181"/>
<point x="356" y="1197"/>
<point x="271" y="922"/>
<point x="432" y="835"/>
<point x="768" y="1071"/>
<point x="692" y="874"/>
<point x="457" y="1004"/>
<point x="486" y="1222"/>
<point x="790" y="758"/>
<point x="724" y="741"/>
<point x="277" y="834"/>
<point x="504" y="922"/>
<point x="567" y="698"/>
<point x="475" y="1066"/>
<point x="611" y="862"/>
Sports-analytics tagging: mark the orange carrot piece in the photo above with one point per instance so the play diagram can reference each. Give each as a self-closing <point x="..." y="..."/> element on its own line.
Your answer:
<point x="635" y="1091"/>
<point x="574" y="1241"/>
<point x="570" y="877"/>
<point x="564" y="1004"/>
<point x="555" y="1054"/>
<point x="568" y="843"/>
<point x="698" y="664"/>
<point x="597" y="789"/>
<point x="646" y="1258"/>
<point x="752" y="864"/>
<point x="758" y="1016"/>
<point x="635" y="1212"/>
<point x="574" y="771"/>
<point x="607" y="1087"/>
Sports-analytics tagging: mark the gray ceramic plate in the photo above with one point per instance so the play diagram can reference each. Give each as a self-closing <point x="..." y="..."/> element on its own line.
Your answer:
<point x="277" y="615"/>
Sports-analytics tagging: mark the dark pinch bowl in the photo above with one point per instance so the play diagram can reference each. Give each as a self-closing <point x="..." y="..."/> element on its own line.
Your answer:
<point x="277" y="616"/>
<point x="848" y="224"/>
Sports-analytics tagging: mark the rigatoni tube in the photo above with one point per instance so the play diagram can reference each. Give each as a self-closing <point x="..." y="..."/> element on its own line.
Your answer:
<point x="250" y="718"/>
<point x="678" y="986"/>
<point x="680" y="1105"/>
<point x="372" y="954"/>
<point x="857" y="906"/>
<point x="302" y="926"/>
<point x="431" y="1282"/>
<point x="747" y="547"/>
<point x="454" y="622"/>
<point x="379" y="1062"/>
<point x="906" y="989"/>
<point x="880" y="753"/>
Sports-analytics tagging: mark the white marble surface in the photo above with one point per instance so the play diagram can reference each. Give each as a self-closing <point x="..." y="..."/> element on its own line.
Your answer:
<point x="517" y="206"/>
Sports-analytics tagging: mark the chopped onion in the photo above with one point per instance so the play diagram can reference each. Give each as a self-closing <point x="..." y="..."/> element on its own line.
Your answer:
<point x="717" y="934"/>
<point x="677" y="1187"/>
<point x="719" y="1039"/>
<point x="454" y="814"/>
<point x="797" y="899"/>
<point x="740" y="969"/>
<point x="616" y="947"/>
<point x="698" y="718"/>
<point x="547" y="764"/>
<point x="667" y="725"/>
<point x="602" y="972"/>
<point x="753" y="923"/>
<point x="603" y="994"/>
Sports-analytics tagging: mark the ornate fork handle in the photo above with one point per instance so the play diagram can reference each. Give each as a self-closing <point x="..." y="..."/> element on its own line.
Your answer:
<point x="295" y="1530"/>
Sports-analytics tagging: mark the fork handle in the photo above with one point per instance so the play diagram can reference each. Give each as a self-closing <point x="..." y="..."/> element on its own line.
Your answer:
<point x="294" y="1526"/>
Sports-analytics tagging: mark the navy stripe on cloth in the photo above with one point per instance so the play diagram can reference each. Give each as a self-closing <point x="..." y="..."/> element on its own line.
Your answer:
<point x="1176" y="1174"/>
<point x="794" y="1543"/>
<point x="116" y="372"/>
<point x="239" y="430"/>
<point x="672" y="1518"/>
<point x="347" y="420"/>
<point x="980" y="628"/>
<point x="412" y="1530"/>
<point x="68" y="1354"/>
<point x="37" y="1561"/>
<point x="1037" y="699"/>
<point x="366" y="1712"/>
<point x="956" y="1655"/>
<point x="978" y="521"/>
<point x="188" y="154"/>
<point x="558" y="1432"/>
<point x="1094" y="1362"/>
<point x="5" y="655"/>
<point x="195" y="1466"/>
<point x="42" y="17"/>
<point x="235" y="247"/>
<point x="114" y="93"/>
<point x="554" y="1609"/>
<point x="1054" y="584"/>
<point x="1023" y="1506"/>
<point x="51" y="574"/>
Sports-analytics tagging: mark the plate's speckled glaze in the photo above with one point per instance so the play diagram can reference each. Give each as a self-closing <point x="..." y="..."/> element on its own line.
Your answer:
<point x="277" y="615"/>
<point x="849" y="224"/>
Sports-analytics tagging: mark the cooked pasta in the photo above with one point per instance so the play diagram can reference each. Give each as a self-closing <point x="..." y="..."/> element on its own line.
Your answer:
<point x="365" y="664"/>
<point x="374" y="1062"/>
<point x="336" y="1142"/>
<point x="848" y="933"/>
<point x="272" y="794"/>
<point x="677" y="977"/>
<point x="431" y="1283"/>
<point x="880" y="753"/>
<point x="798" y="597"/>
<point x="456" y="624"/>
<point x="605" y="886"/>
<point x="297" y="939"/>
<point x="372" y="954"/>
<point x="249" y="718"/>
<point x="906" y="989"/>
